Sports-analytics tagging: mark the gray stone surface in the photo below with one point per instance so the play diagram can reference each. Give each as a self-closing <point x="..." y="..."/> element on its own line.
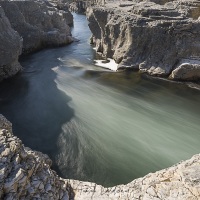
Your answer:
<point x="179" y="182"/>
<point x="27" y="174"/>
<point x="28" y="26"/>
<point x="39" y="23"/>
<point x="10" y="48"/>
<point x="149" y="35"/>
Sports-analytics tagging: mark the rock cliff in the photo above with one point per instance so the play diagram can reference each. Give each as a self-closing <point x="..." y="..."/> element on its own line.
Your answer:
<point x="39" y="23"/>
<point x="10" y="48"/>
<point x="80" y="6"/>
<point x="27" y="26"/>
<point x="27" y="174"/>
<point x="160" y="38"/>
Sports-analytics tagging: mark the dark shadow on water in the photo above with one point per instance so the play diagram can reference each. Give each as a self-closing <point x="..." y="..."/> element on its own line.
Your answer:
<point x="34" y="104"/>
<point x="121" y="123"/>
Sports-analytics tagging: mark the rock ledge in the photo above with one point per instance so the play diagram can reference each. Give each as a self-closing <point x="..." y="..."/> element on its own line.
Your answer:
<point x="157" y="37"/>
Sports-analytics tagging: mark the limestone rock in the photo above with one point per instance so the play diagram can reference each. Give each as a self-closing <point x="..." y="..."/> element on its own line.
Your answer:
<point x="181" y="181"/>
<point x="27" y="174"/>
<point x="149" y="35"/>
<point x="10" y="48"/>
<point x="39" y="23"/>
<point x="27" y="26"/>
<point x="80" y="6"/>
<point x="187" y="70"/>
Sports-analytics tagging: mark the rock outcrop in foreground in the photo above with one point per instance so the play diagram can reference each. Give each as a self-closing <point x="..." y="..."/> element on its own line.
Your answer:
<point x="27" y="26"/>
<point x="158" y="37"/>
<point x="26" y="174"/>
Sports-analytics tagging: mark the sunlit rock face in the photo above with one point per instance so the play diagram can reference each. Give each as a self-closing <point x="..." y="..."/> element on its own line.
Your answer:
<point x="155" y="37"/>
<point x="39" y="23"/>
<point x="27" y="174"/>
<point x="10" y="48"/>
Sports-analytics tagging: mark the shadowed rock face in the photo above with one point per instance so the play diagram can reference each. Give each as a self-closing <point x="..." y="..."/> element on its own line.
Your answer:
<point x="27" y="26"/>
<point x="10" y="48"/>
<point x="27" y="174"/>
<point x="80" y="6"/>
<point x="155" y="37"/>
<point x="39" y="23"/>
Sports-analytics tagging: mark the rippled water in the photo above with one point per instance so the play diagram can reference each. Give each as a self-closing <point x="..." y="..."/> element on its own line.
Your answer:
<point x="97" y="125"/>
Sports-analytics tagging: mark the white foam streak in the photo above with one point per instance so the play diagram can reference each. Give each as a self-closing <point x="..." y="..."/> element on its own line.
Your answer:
<point x="112" y="65"/>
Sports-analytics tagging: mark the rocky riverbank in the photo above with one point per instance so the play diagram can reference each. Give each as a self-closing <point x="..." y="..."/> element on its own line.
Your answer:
<point x="27" y="26"/>
<point x="160" y="38"/>
<point x="27" y="174"/>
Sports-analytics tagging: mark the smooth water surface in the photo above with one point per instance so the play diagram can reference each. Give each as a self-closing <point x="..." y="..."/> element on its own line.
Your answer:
<point x="97" y="125"/>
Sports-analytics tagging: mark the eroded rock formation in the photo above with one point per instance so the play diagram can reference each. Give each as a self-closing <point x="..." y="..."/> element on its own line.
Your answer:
<point x="10" y="48"/>
<point x="27" y="174"/>
<point x="27" y="26"/>
<point x="157" y="37"/>
<point x="80" y="6"/>
<point x="39" y="23"/>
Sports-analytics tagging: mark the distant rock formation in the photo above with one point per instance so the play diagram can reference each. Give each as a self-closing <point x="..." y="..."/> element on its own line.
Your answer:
<point x="160" y="38"/>
<point x="80" y="6"/>
<point x="27" y="174"/>
<point x="28" y="26"/>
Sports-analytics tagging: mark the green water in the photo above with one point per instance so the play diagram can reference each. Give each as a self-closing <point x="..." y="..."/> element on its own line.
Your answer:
<point x="99" y="125"/>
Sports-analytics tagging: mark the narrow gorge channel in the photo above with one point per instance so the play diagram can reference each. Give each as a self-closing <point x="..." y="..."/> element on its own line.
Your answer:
<point x="97" y="125"/>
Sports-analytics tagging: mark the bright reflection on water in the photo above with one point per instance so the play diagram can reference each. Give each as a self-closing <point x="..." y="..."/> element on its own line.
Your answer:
<point x="99" y="125"/>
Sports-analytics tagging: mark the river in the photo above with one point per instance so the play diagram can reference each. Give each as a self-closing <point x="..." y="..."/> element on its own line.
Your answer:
<point x="98" y="125"/>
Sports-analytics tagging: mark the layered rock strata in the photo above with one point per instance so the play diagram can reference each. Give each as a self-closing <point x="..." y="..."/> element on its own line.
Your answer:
<point x="27" y="174"/>
<point x="27" y="26"/>
<point x="160" y="38"/>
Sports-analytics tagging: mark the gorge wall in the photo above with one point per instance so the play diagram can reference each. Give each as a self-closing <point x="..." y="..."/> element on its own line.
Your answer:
<point x="80" y="6"/>
<point x="27" y="26"/>
<point x="27" y="174"/>
<point x="10" y="48"/>
<point x="160" y="38"/>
